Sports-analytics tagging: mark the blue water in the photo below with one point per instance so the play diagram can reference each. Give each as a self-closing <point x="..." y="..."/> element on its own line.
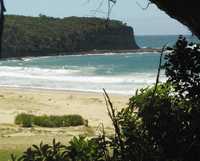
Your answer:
<point x="117" y="73"/>
<point x="157" y="41"/>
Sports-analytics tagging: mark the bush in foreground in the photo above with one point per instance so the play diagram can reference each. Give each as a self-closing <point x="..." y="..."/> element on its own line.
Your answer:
<point x="27" y="120"/>
<point x="80" y="149"/>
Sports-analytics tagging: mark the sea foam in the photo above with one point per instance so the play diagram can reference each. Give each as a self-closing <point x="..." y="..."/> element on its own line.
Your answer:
<point x="117" y="73"/>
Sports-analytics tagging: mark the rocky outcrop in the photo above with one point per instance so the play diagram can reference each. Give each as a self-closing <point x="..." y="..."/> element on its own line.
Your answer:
<point x="37" y="36"/>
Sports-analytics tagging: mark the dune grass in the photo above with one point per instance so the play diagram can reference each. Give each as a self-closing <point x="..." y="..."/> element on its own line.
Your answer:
<point x="27" y="120"/>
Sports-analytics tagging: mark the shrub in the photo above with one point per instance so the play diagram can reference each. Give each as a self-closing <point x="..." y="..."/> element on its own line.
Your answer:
<point x="82" y="149"/>
<point x="44" y="152"/>
<point x="183" y="68"/>
<point x="50" y="121"/>
<point x="73" y="120"/>
<point x="25" y="120"/>
<point x="164" y="121"/>
<point x="183" y="72"/>
<point x="79" y="149"/>
<point x="168" y="124"/>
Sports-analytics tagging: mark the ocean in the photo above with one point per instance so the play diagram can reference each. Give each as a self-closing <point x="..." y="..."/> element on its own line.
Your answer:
<point x="118" y="73"/>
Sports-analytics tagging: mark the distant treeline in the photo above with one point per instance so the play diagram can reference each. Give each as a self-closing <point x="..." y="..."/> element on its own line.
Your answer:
<point x="35" y="36"/>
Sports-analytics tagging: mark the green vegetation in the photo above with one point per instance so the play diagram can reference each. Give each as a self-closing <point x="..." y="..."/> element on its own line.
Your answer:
<point x="161" y="123"/>
<point x="79" y="149"/>
<point x="27" y="120"/>
<point x="5" y="154"/>
<point x="35" y="36"/>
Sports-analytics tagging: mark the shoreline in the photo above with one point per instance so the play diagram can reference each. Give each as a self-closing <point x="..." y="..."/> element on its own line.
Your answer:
<point x="118" y="51"/>
<point x="92" y="52"/>
<point x="62" y="91"/>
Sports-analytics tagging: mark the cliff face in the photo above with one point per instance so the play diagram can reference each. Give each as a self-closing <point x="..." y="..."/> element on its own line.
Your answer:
<point x="110" y="38"/>
<point x="37" y="36"/>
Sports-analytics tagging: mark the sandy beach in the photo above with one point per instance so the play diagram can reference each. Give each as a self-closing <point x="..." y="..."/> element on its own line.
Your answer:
<point x="90" y="106"/>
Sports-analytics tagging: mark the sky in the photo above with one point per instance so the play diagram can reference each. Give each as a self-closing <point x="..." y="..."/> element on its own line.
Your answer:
<point x="151" y="21"/>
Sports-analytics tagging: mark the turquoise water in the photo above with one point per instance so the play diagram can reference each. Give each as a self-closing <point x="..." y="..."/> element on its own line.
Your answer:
<point x="117" y="73"/>
<point x="157" y="41"/>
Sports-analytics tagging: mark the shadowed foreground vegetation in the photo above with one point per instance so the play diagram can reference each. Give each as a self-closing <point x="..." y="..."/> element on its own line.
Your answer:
<point x="161" y="123"/>
<point x="5" y="154"/>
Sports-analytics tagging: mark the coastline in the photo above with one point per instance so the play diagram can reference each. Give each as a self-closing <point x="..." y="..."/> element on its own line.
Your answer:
<point x="90" y="92"/>
<point x="92" y="52"/>
<point x="118" y="51"/>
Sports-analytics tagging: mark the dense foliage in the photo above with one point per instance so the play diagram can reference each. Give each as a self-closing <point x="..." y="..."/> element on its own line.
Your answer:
<point x="158" y="125"/>
<point x="182" y="69"/>
<point x="80" y="149"/>
<point x="24" y="36"/>
<point x="27" y="120"/>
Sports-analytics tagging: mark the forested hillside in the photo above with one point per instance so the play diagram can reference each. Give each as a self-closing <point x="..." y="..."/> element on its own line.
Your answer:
<point x="35" y="36"/>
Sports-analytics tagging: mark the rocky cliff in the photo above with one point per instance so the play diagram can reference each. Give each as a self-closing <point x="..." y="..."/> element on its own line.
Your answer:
<point x="37" y="36"/>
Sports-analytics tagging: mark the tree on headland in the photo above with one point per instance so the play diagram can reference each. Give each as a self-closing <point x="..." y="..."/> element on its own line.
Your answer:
<point x="2" y="10"/>
<point x="185" y="11"/>
<point x="111" y="3"/>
